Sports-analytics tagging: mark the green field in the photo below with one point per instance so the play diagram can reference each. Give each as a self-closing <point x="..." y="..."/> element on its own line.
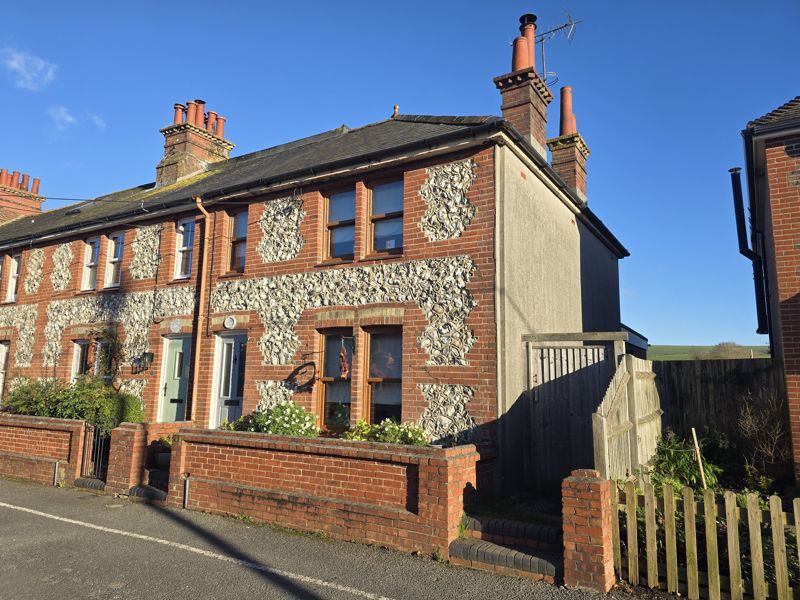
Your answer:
<point x="697" y="352"/>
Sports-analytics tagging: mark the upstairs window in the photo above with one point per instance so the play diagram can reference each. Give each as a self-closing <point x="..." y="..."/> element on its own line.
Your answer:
<point x="184" y="249"/>
<point x="238" y="249"/>
<point x="13" y="278"/>
<point x="341" y="225"/>
<point x="386" y="218"/>
<point x="116" y="249"/>
<point x="90" y="262"/>
<point x="385" y="375"/>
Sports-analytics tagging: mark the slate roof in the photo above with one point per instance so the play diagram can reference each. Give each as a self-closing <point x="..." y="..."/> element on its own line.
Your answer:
<point x="788" y="112"/>
<point x="317" y="153"/>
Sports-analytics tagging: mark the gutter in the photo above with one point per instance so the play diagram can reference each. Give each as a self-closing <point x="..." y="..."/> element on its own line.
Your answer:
<point x="201" y="301"/>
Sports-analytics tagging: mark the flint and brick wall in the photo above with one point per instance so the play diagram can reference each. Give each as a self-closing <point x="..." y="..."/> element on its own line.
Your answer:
<point x="783" y="176"/>
<point x="31" y="446"/>
<point x="402" y="497"/>
<point x="587" y="514"/>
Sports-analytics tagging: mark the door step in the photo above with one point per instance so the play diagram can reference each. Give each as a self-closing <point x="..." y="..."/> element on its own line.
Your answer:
<point x="90" y="483"/>
<point x="487" y="556"/>
<point x="146" y="492"/>
<point x="546" y="537"/>
<point x="158" y="478"/>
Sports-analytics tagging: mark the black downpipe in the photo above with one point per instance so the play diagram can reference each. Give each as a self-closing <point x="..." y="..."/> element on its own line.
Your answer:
<point x="744" y="250"/>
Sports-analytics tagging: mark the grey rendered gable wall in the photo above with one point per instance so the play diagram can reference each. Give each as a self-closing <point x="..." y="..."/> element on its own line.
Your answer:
<point x="553" y="276"/>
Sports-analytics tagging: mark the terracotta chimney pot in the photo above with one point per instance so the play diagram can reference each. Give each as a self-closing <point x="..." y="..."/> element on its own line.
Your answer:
<point x="520" y="58"/>
<point x="4" y="177"/>
<point x="35" y="186"/>
<point x="200" y="116"/>
<point x="180" y="109"/>
<point x="191" y="112"/>
<point x="25" y="180"/>
<point x="211" y="124"/>
<point x="527" y="27"/>
<point x="15" y="179"/>
<point x="568" y="123"/>
<point x="220" y="126"/>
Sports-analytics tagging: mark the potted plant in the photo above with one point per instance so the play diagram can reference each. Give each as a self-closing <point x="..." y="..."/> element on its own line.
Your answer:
<point x="164" y="452"/>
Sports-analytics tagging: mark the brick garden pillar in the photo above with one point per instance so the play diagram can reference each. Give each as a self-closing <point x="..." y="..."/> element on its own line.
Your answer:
<point x="588" y="556"/>
<point x="126" y="457"/>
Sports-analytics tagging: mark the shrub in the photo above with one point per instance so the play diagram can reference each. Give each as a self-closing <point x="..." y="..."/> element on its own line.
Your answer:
<point x="89" y="399"/>
<point x="675" y="464"/>
<point x="285" y="418"/>
<point x="389" y="432"/>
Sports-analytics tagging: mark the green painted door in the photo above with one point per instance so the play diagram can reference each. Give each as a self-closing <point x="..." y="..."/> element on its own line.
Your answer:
<point x="175" y="379"/>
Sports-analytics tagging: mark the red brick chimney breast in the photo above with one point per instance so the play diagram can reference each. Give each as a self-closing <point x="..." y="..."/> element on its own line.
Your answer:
<point x="525" y="95"/>
<point x="192" y="144"/>
<point x="569" y="150"/>
<point x="16" y="200"/>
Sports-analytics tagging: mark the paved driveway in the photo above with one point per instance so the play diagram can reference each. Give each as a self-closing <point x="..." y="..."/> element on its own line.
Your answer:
<point x="63" y="544"/>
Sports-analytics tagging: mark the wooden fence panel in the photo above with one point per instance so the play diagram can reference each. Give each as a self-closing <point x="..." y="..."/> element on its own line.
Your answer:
<point x="734" y="554"/>
<point x="701" y="393"/>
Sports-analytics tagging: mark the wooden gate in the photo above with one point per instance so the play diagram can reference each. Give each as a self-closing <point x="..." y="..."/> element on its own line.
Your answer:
<point x="566" y="385"/>
<point x="627" y="424"/>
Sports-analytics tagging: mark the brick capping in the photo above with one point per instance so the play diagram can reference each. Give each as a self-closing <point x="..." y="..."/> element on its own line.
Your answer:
<point x="30" y="446"/>
<point x="409" y="498"/>
<point x="586" y="508"/>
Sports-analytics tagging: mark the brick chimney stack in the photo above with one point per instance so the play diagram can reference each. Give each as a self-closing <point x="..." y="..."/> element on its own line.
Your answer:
<point x="525" y="95"/>
<point x="193" y="141"/>
<point x="569" y="150"/>
<point x="18" y="196"/>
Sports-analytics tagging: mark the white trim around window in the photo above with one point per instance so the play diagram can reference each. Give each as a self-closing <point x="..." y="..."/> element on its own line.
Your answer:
<point x="184" y="248"/>
<point x="13" y="277"/>
<point x="80" y="359"/>
<point x="91" y="260"/>
<point x="116" y="250"/>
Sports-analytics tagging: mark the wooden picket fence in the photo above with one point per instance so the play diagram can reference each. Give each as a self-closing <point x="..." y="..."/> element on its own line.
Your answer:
<point x="704" y="548"/>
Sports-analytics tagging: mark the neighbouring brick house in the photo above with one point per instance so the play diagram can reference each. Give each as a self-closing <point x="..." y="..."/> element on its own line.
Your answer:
<point x="772" y="159"/>
<point x="392" y="268"/>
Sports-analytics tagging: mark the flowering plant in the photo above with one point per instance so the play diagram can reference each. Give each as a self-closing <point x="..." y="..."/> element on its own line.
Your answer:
<point x="286" y="417"/>
<point x="389" y="432"/>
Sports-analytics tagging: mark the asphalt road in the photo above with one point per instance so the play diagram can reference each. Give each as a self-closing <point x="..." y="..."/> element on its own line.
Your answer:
<point x="66" y="543"/>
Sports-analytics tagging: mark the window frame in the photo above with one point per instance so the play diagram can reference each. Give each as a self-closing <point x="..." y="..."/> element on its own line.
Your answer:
<point x="234" y="241"/>
<point x="324" y="380"/>
<point x="89" y="266"/>
<point x="181" y="248"/>
<point x="370" y="381"/>
<point x="372" y="218"/>
<point x="12" y="286"/>
<point x="112" y="260"/>
<point x="331" y="225"/>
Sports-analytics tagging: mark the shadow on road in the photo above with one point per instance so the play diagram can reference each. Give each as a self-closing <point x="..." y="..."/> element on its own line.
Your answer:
<point x="224" y="547"/>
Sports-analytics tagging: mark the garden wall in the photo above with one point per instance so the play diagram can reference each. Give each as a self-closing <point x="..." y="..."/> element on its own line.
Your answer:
<point x="30" y="447"/>
<point x="132" y="451"/>
<point x="408" y="498"/>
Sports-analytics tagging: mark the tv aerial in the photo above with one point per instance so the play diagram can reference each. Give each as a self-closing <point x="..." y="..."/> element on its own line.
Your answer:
<point x="568" y="29"/>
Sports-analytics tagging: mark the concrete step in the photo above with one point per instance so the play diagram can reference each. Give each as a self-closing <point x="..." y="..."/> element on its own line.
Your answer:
<point x="486" y="556"/>
<point x="515" y="534"/>
<point x="158" y="478"/>
<point x="90" y="483"/>
<point x="146" y="492"/>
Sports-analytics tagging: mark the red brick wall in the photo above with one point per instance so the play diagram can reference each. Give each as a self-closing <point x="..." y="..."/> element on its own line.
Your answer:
<point x="587" y="514"/>
<point x="30" y="447"/>
<point x="402" y="497"/>
<point x="132" y="451"/>
<point x="783" y="176"/>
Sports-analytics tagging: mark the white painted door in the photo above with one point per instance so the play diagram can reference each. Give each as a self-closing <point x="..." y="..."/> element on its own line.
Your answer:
<point x="231" y="359"/>
<point x="3" y="366"/>
<point x="175" y="378"/>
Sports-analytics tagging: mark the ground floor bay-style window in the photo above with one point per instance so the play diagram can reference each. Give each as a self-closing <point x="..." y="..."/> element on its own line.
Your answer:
<point x="337" y="369"/>
<point x="384" y="374"/>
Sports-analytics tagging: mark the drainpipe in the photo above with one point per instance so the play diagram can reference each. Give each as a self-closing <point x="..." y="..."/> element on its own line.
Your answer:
<point x="201" y="301"/>
<point x="751" y="255"/>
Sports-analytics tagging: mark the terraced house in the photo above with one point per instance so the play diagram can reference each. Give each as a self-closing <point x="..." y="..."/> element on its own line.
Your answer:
<point x="383" y="271"/>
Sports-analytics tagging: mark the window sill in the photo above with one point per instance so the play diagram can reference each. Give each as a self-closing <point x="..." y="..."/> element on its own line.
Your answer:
<point x="111" y="287"/>
<point x="4" y="302"/>
<point x="83" y="292"/>
<point x="332" y="262"/>
<point x="382" y="256"/>
<point x="179" y="280"/>
<point x="231" y="275"/>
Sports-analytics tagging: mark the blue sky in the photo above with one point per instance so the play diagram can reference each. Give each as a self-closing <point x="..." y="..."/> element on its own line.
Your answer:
<point x="661" y="93"/>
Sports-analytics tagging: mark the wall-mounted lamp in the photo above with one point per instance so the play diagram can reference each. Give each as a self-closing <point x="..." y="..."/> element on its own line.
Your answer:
<point x="142" y="362"/>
